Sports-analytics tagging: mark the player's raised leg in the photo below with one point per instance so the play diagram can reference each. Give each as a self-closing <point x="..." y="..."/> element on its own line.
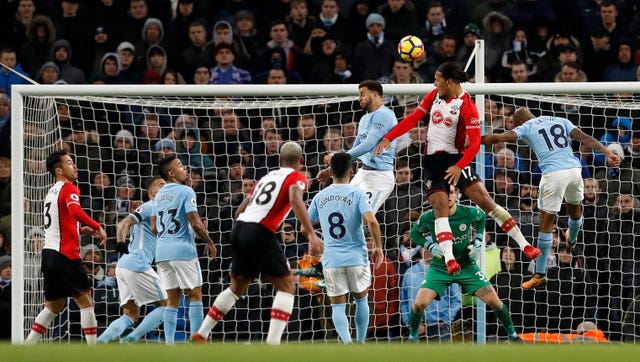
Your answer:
<point x="479" y="194"/>
<point x="444" y="235"/>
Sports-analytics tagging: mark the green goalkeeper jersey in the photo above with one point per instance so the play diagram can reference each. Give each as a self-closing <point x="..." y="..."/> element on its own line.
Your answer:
<point x="465" y="221"/>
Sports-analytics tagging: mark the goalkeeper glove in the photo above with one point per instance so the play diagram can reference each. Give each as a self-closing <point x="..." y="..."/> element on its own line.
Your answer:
<point x="122" y="248"/>
<point x="477" y="244"/>
<point x="435" y="250"/>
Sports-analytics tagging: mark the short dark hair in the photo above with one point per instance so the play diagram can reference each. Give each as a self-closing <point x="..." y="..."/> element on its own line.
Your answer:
<point x="453" y="71"/>
<point x="340" y="164"/>
<point x="54" y="160"/>
<point x="164" y="164"/>
<point x="372" y="85"/>
<point x="151" y="181"/>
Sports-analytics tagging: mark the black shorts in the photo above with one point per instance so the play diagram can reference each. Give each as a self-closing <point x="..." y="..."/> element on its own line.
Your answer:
<point x="436" y="167"/>
<point x="63" y="277"/>
<point x="256" y="251"/>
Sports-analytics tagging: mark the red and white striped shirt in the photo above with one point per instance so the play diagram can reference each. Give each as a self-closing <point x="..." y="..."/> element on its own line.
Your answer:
<point x="270" y="202"/>
<point x="62" y="212"/>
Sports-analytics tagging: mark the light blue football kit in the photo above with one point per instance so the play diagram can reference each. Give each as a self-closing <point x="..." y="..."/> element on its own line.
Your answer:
<point x="371" y="129"/>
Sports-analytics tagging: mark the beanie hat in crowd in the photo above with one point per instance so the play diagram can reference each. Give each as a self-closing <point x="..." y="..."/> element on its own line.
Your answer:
<point x="165" y="142"/>
<point x="472" y="28"/>
<point x="5" y="261"/>
<point x="375" y="18"/>
<point x="123" y="133"/>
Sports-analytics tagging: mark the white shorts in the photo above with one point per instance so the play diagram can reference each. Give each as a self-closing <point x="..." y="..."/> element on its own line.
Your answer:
<point x="141" y="287"/>
<point x="378" y="185"/>
<point x="183" y="274"/>
<point x="558" y="185"/>
<point x="342" y="280"/>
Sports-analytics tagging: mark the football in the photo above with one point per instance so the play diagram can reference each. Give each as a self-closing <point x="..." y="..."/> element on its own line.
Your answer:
<point x="410" y="47"/>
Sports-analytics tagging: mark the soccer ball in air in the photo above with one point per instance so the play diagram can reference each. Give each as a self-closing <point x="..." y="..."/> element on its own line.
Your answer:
<point x="410" y="48"/>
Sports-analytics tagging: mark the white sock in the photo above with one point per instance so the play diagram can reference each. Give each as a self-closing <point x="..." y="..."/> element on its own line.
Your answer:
<point x="444" y="236"/>
<point x="280" y="313"/>
<point x="508" y="225"/>
<point x="89" y="325"/>
<point x="223" y="303"/>
<point x="40" y="325"/>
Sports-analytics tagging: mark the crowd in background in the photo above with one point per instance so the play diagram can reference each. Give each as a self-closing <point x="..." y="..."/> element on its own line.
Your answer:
<point x="327" y="41"/>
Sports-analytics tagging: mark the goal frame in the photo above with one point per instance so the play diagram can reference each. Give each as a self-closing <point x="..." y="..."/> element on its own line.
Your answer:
<point x="17" y="129"/>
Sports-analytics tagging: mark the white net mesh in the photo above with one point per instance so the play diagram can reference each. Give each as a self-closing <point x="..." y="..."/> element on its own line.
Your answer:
<point x="232" y="145"/>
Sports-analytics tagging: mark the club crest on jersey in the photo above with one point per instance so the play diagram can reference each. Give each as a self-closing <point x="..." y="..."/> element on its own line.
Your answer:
<point x="454" y="109"/>
<point x="193" y="201"/>
<point x="139" y="210"/>
<point x="428" y="185"/>
<point x="463" y="227"/>
<point x="366" y="124"/>
<point x="301" y="184"/>
<point x="74" y="197"/>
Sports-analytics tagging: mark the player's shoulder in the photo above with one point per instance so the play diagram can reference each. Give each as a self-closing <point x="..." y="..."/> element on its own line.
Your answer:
<point x="69" y="187"/>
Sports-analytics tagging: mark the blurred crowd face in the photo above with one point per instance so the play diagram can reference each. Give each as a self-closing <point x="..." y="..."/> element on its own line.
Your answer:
<point x="8" y="57"/>
<point x="329" y="9"/>
<point x="138" y="9"/>
<point x="26" y="9"/>
<point x="299" y="12"/>
<point x="276" y="76"/>
<point x="288" y="233"/>
<point x="569" y="74"/>
<point x="197" y="35"/>
<point x="230" y="123"/>
<point x="395" y="5"/>
<point x="279" y="33"/>
<point x="201" y="75"/>
<point x="591" y="190"/>
<point x="307" y="128"/>
<point x="519" y="73"/>
<point x="625" y="203"/>
<point x="403" y="175"/>
<point x="272" y="141"/>
<point x="508" y="257"/>
<point x="332" y="141"/>
<point x="151" y="128"/>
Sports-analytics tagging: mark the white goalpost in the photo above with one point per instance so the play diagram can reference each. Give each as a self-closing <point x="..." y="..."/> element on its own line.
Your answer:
<point x="86" y="118"/>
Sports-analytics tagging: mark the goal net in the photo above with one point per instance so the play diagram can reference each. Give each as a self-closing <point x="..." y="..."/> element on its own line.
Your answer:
<point x="229" y="137"/>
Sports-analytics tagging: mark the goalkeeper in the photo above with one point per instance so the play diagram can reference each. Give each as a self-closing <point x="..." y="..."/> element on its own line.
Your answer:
<point x="463" y="220"/>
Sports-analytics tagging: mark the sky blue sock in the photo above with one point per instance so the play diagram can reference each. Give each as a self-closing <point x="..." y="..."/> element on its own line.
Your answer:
<point x="340" y="321"/>
<point x="170" y="317"/>
<point x="115" y="329"/>
<point x="545" y="240"/>
<point x="196" y="315"/>
<point x="149" y="323"/>
<point x="362" y="318"/>
<point x="574" y="228"/>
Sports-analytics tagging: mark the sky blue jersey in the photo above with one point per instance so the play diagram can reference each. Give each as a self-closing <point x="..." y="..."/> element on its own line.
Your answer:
<point x="339" y="209"/>
<point x="550" y="140"/>
<point x="175" y="234"/>
<point x="142" y="242"/>
<point x="371" y="129"/>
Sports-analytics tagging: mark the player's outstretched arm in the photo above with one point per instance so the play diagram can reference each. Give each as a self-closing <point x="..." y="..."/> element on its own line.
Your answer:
<point x="508" y="136"/>
<point x="300" y="210"/>
<point x="612" y="158"/>
<point x="77" y="213"/>
<point x="201" y="231"/>
<point x="374" y="228"/>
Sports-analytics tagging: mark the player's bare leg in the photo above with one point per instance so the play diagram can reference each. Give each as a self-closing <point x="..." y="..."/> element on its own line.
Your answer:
<point x="440" y="202"/>
<point x="223" y="303"/>
<point x="490" y="297"/>
<point x="545" y="242"/>
<point x="170" y="315"/>
<point x="479" y="194"/>
<point x="424" y="297"/>
<point x="281" y="308"/>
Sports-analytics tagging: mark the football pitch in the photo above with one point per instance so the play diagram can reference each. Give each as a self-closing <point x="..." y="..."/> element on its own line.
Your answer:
<point x="326" y="352"/>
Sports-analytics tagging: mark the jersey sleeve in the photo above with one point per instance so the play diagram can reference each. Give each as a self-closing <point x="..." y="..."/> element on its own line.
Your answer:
<point x="568" y="126"/>
<point x="479" y="221"/>
<point x="382" y="123"/>
<point x="412" y="120"/>
<point x="189" y="201"/>
<point x="423" y="226"/>
<point x="296" y="179"/>
<point x="313" y="210"/>
<point x="70" y="195"/>
<point x="363" y="203"/>
<point x="522" y="130"/>
<point x="469" y="113"/>
<point x="143" y="212"/>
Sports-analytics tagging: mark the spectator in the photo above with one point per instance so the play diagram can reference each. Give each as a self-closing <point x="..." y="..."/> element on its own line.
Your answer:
<point x="103" y="42"/>
<point x="201" y="75"/>
<point x="268" y="161"/>
<point x="439" y="314"/>
<point x="156" y="61"/>
<point x="497" y="36"/>
<point x="101" y="204"/>
<point x="125" y="195"/>
<point x="609" y="20"/>
<point x="49" y="73"/>
<point x="520" y="51"/>
<point x="619" y="132"/>
<point x="444" y="51"/>
<point x="408" y="251"/>
<point x="570" y="72"/>
<point x="561" y="41"/>
<point x="163" y="148"/>
<point x="37" y="50"/>
<point x="374" y="56"/>
<point x="124" y="159"/>
<point x="61" y="56"/>
<point x="228" y="137"/>
<point x="225" y="72"/>
<point x="149" y="133"/>
<point x="8" y="78"/>
<point x="283" y="75"/>
<point x="5" y="297"/>
<point x="133" y="25"/>
<point x="223" y="33"/>
<point x="248" y="37"/>
<point x="5" y="199"/>
<point x="72" y="25"/>
<point x="294" y="244"/>
<point x="110" y="67"/>
<point x="178" y="37"/>
<point x="93" y="263"/>
<point x="152" y="34"/>
<point x="484" y="8"/>
<point x="188" y="149"/>
<point x="14" y="31"/>
<point x="171" y="76"/>
<point x="349" y="132"/>
<point x="5" y="247"/>
<point x="519" y="71"/>
<point x="435" y="26"/>
<point x="384" y="296"/>
<point x="403" y="73"/>
<point x="331" y="142"/>
<point x="324" y="50"/>
<point x="299" y="22"/>
<point x="196" y="53"/>
<point x="471" y="34"/>
<point x="632" y="150"/>
<point x="130" y="70"/>
<point x="5" y="125"/>
<point x="624" y="70"/>
<point x="293" y="59"/>
<point x="598" y="54"/>
<point x="334" y="22"/>
<point x="306" y="136"/>
<point x="400" y="18"/>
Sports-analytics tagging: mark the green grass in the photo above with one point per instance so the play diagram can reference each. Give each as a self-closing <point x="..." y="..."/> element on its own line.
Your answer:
<point x="306" y="352"/>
